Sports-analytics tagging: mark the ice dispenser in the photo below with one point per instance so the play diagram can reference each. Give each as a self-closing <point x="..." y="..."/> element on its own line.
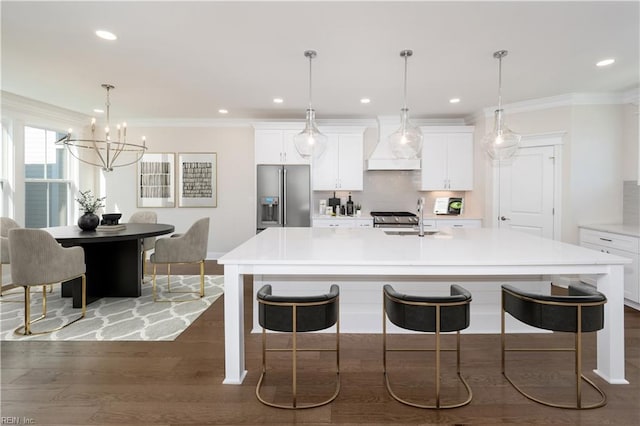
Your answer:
<point x="269" y="210"/>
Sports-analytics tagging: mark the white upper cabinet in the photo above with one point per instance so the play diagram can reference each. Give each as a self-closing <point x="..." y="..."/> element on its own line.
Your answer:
<point x="275" y="146"/>
<point x="341" y="166"/>
<point x="447" y="158"/>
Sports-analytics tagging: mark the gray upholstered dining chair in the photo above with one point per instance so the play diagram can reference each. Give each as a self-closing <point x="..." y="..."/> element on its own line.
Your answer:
<point x="432" y="314"/>
<point x="190" y="247"/>
<point x="298" y="314"/>
<point x="147" y="243"/>
<point x="580" y="311"/>
<point x="6" y="224"/>
<point x="37" y="260"/>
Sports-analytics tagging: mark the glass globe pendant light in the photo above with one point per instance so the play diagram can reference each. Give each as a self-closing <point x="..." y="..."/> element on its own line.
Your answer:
<point x="310" y="142"/>
<point x="501" y="143"/>
<point x="406" y="142"/>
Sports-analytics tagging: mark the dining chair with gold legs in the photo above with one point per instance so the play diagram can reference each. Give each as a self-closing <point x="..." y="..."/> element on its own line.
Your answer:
<point x="190" y="247"/>
<point x="297" y="314"/>
<point x="432" y="314"/>
<point x="6" y="224"/>
<point x="38" y="260"/>
<point x="581" y="311"/>
<point x="149" y="242"/>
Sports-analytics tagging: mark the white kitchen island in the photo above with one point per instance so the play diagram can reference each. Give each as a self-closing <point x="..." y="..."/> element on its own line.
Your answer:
<point x="353" y="253"/>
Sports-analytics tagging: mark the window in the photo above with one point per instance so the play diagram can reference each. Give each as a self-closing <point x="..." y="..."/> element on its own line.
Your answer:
<point x="47" y="185"/>
<point x="4" y="187"/>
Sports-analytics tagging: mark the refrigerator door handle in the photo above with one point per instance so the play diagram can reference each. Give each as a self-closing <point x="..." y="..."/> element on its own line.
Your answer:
<point x="284" y="208"/>
<point x="282" y="204"/>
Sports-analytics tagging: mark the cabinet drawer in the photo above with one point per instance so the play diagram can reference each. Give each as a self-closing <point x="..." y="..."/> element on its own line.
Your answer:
<point x="364" y="223"/>
<point x="331" y="223"/>
<point x="459" y="223"/>
<point x="610" y="240"/>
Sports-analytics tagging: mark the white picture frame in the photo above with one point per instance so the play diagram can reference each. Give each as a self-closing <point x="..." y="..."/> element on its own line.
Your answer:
<point x="156" y="180"/>
<point x="197" y="179"/>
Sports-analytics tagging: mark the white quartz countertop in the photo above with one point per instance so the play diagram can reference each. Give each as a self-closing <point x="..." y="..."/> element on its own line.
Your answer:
<point x="372" y="246"/>
<point x="426" y="216"/>
<point x="615" y="228"/>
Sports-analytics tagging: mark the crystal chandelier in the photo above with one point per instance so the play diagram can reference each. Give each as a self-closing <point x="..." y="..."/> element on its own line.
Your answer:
<point x="406" y="142"/>
<point x="310" y="142"/>
<point x="108" y="149"/>
<point x="501" y="143"/>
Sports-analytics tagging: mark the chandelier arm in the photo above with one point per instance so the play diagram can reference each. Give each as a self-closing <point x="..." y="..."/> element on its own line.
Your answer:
<point x="97" y="150"/>
<point x="118" y="150"/>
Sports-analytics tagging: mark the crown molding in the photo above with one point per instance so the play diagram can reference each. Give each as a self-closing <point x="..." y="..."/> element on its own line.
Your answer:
<point x="22" y="107"/>
<point x="569" y="99"/>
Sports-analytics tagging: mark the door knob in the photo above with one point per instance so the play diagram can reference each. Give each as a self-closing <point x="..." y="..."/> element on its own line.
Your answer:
<point x="504" y="218"/>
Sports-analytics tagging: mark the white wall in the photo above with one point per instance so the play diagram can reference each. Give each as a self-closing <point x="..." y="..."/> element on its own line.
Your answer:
<point x="232" y="221"/>
<point x="631" y="142"/>
<point x="592" y="160"/>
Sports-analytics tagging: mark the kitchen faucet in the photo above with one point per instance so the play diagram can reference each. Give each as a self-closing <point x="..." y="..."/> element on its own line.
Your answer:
<point x="421" y="217"/>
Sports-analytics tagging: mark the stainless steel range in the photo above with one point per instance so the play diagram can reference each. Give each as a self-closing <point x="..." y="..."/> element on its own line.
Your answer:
<point x="394" y="219"/>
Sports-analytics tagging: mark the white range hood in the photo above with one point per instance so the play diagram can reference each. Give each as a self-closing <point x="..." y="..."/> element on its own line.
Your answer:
<point x="382" y="157"/>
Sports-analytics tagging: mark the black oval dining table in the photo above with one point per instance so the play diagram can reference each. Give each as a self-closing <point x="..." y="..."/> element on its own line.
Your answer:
<point x="113" y="259"/>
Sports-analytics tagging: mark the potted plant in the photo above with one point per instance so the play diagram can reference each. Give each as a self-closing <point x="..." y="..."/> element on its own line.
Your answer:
<point x="89" y="203"/>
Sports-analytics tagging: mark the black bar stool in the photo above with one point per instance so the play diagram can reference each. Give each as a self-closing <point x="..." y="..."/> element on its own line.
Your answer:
<point x="581" y="311"/>
<point x="432" y="314"/>
<point x="297" y="314"/>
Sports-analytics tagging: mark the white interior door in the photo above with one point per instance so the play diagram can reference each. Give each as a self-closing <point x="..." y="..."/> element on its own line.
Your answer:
<point x="526" y="191"/>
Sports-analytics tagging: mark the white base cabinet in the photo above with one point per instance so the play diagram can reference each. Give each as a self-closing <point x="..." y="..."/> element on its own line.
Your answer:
<point x="342" y="222"/>
<point x="619" y="245"/>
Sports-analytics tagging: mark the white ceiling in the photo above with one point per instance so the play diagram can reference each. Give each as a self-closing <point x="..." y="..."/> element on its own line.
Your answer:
<point x="186" y="60"/>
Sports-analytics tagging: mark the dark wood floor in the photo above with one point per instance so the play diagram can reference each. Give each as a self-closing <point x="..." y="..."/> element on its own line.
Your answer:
<point x="179" y="382"/>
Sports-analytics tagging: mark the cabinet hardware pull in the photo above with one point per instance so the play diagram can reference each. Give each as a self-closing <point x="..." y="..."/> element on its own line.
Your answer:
<point x="605" y="239"/>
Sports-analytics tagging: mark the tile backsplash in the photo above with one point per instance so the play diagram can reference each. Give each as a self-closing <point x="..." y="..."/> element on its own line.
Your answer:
<point x="387" y="191"/>
<point x="631" y="203"/>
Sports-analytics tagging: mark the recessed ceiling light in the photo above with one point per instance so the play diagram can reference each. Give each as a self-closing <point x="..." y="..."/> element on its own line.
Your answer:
<point x="365" y="101"/>
<point x="605" y="62"/>
<point x="454" y="100"/>
<point x="98" y="110"/>
<point x="278" y="100"/>
<point x="223" y="111"/>
<point x="106" y="35"/>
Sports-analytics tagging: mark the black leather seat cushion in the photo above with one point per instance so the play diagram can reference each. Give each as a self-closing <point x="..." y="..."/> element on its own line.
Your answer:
<point x="423" y="318"/>
<point x="556" y="317"/>
<point x="308" y="318"/>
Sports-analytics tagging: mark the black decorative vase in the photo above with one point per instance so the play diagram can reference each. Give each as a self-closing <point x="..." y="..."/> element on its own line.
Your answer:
<point x="88" y="221"/>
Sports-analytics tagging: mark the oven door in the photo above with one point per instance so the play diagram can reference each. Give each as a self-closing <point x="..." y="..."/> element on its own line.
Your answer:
<point x="394" y="225"/>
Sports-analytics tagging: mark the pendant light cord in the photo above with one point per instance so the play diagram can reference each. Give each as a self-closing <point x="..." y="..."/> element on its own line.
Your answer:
<point x="500" y="82"/>
<point x="405" y="81"/>
<point x="310" y="55"/>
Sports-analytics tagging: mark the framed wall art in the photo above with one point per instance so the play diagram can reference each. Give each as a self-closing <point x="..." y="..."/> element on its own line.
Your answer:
<point x="156" y="180"/>
<point x="197" y="179"/>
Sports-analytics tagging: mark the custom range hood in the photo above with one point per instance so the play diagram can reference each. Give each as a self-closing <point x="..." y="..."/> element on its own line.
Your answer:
<point x="382" y="157"/>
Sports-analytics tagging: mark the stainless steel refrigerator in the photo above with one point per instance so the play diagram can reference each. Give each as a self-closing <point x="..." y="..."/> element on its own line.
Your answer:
<point x="284" y="196"/>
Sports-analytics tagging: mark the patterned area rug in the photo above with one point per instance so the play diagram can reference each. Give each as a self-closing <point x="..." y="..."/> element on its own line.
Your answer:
<point x="114" y="318"/>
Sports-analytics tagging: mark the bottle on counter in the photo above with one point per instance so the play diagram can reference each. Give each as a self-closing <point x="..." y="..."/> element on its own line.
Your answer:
<point x="350" y="206"/>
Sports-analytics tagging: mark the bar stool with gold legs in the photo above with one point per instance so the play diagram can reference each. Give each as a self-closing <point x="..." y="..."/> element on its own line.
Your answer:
<point x="37" y="260"/>
<point x="433" y="314"/>
<point x="298" y="314"/>
<point x="581" y="311"/>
